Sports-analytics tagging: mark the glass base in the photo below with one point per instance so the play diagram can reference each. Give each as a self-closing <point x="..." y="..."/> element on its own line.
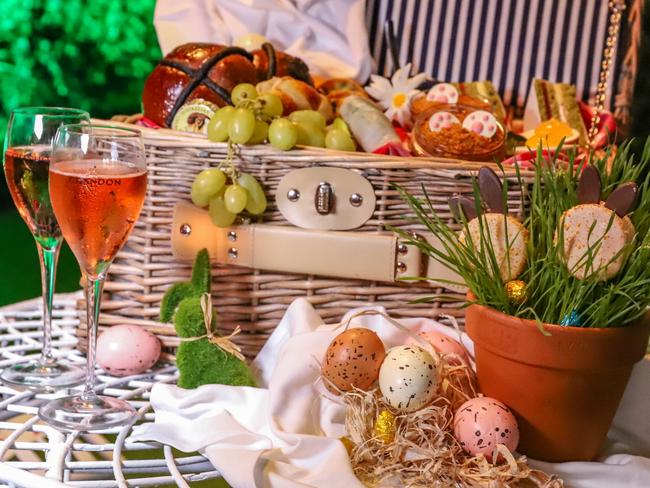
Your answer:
<point x="43" y="377"/>
<point x="94" y="413"/>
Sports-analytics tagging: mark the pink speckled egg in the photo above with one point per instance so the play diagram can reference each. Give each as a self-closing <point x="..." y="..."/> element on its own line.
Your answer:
<point x="445" y="345"/>
<point x="482" y="423"/>
<point x="124" y="350"/>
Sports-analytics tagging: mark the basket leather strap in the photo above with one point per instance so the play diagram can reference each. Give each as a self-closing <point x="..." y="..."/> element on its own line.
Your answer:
<point x="354" y="255"/>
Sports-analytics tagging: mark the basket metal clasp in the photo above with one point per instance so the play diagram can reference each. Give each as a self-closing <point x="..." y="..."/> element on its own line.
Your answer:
<point x="324" y="198"/>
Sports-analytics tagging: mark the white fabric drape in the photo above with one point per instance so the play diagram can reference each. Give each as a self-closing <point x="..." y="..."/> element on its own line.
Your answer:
<point x="330" y="36"/>
<point x="285" y="433"/>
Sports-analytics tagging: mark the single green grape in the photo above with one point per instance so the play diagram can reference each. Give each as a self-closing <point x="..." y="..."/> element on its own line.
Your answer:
<point x="243" y="92"/>
<point x="256" y="198"/>
<point x="236" y="198"/>
<point x="270" y="104"/>
<point x="241" y="126"/>
<point x="260" y="133"/>
<point x="282" y="134"/>
<point x="339" y="140"/>
<point x="207" y="184"/>
<point x="339" y="123"/>
<point x="219" y="123"/>
<point x="219" y="214"/>
<point x="310" y="135"/>
<point x="312" y="117"/>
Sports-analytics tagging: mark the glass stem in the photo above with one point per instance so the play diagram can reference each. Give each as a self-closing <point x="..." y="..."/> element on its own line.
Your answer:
<point x="48" y="256"/>
<point x="94" y="288"/>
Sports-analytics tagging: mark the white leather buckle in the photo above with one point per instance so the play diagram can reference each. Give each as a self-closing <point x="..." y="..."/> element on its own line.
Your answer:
<point x="325" y="198"/>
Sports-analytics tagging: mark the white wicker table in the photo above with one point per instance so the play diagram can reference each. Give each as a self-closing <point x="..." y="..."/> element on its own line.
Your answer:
<point x="34" y="455"/>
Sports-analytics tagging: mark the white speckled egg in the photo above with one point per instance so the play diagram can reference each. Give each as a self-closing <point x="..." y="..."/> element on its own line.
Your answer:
<point x="482" y="423"/>
<point x="124" y="350"/>
<point x="408" y="378"/>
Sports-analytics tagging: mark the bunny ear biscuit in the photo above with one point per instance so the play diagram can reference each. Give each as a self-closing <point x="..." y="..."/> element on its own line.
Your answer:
<point x="460" y="205"/>
<point x="589" y="185"/>
<point x="491" y="190"/>
<point x="511" y="254"/>
<point x="594" y="241"/>
<point x="623" y="199"/>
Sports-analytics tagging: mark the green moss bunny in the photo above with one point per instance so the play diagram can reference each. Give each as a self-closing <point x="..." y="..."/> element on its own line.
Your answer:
<point x="203" y="358"/>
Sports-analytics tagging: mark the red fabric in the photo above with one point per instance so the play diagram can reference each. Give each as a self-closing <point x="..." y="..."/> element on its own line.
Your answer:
<point x="144" y="121"/>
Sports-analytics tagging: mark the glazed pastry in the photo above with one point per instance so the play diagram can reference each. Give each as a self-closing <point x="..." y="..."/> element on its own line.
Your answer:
<point x="206" y="71"/>
<point x="597" y="234"/>
<point x="297" y="95"/>
<point x="209" y="72"/>
<point x="336" y="89"/>
<point x="458" y="131"/>
<point x="511" y="253"/>
<point x="270" y="62"/>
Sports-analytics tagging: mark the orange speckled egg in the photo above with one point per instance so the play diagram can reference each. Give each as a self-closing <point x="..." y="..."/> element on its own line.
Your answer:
<point x="352" y="360"/>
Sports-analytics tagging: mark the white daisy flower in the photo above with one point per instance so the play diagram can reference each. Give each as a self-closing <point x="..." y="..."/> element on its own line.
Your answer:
<point x="395" y="95"/>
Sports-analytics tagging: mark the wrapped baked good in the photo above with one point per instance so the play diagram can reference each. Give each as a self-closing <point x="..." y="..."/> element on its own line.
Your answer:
<point x="367" y="122"/>
<point x="460" y="132"/>
<point x="270" y="62"/>
<point x="297" y="95"/>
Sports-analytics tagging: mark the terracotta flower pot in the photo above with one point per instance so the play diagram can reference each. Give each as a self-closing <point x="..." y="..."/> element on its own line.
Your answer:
<point x="564" y="388"/>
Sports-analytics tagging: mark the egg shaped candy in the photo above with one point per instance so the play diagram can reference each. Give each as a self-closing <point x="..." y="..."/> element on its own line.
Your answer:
<point x="408" y="378"/>
<point x="352" y="360"/>
<point x="445" y="345"/>
<point x="124" y="350"/>
<point x="482" y="423"/>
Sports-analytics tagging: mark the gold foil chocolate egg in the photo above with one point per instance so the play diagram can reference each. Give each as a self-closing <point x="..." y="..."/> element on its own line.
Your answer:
<point x="385" y="427"/>
<point x="348" y="444"/>
<point x="517" y="291"/>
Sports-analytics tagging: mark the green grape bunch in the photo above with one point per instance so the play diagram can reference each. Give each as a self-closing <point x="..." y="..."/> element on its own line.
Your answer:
<point x="227" y="193"/>
<point x="257" y="118"/>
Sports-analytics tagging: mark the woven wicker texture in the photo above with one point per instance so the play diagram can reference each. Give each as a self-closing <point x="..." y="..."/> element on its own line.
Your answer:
<point x="30" y="449"/>
<point x="253" y="299"/>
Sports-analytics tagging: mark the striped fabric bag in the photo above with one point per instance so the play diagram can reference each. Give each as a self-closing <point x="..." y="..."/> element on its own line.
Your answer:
<point x="509" y="42"/>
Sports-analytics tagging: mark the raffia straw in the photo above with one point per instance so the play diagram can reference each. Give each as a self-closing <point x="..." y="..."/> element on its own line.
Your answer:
<point x="222" y="342"/>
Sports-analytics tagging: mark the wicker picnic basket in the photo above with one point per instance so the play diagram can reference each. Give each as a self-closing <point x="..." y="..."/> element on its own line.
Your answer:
<point x="257" y="299"/>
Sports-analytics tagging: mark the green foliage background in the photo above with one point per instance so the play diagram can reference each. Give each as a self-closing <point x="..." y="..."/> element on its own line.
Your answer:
<point x="91" y="54"/>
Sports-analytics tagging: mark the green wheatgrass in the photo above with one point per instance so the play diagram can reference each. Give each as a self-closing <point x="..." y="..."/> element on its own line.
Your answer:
<point x="553" y="293"/>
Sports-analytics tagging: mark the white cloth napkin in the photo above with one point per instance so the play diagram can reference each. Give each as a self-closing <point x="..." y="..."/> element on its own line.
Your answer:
<point x="331" y="36"/>
<point x="285" y="433"/>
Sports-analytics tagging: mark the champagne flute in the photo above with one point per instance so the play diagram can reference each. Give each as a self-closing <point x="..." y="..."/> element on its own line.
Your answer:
<point x="27" y="149"/>
<point x="98" y="180"/>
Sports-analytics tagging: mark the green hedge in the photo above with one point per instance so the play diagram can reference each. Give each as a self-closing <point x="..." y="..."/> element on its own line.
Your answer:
<point x="92" y="54"/>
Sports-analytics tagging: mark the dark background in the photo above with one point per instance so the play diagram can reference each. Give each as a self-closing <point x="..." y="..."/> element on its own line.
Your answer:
<point x="96" y="54"/>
